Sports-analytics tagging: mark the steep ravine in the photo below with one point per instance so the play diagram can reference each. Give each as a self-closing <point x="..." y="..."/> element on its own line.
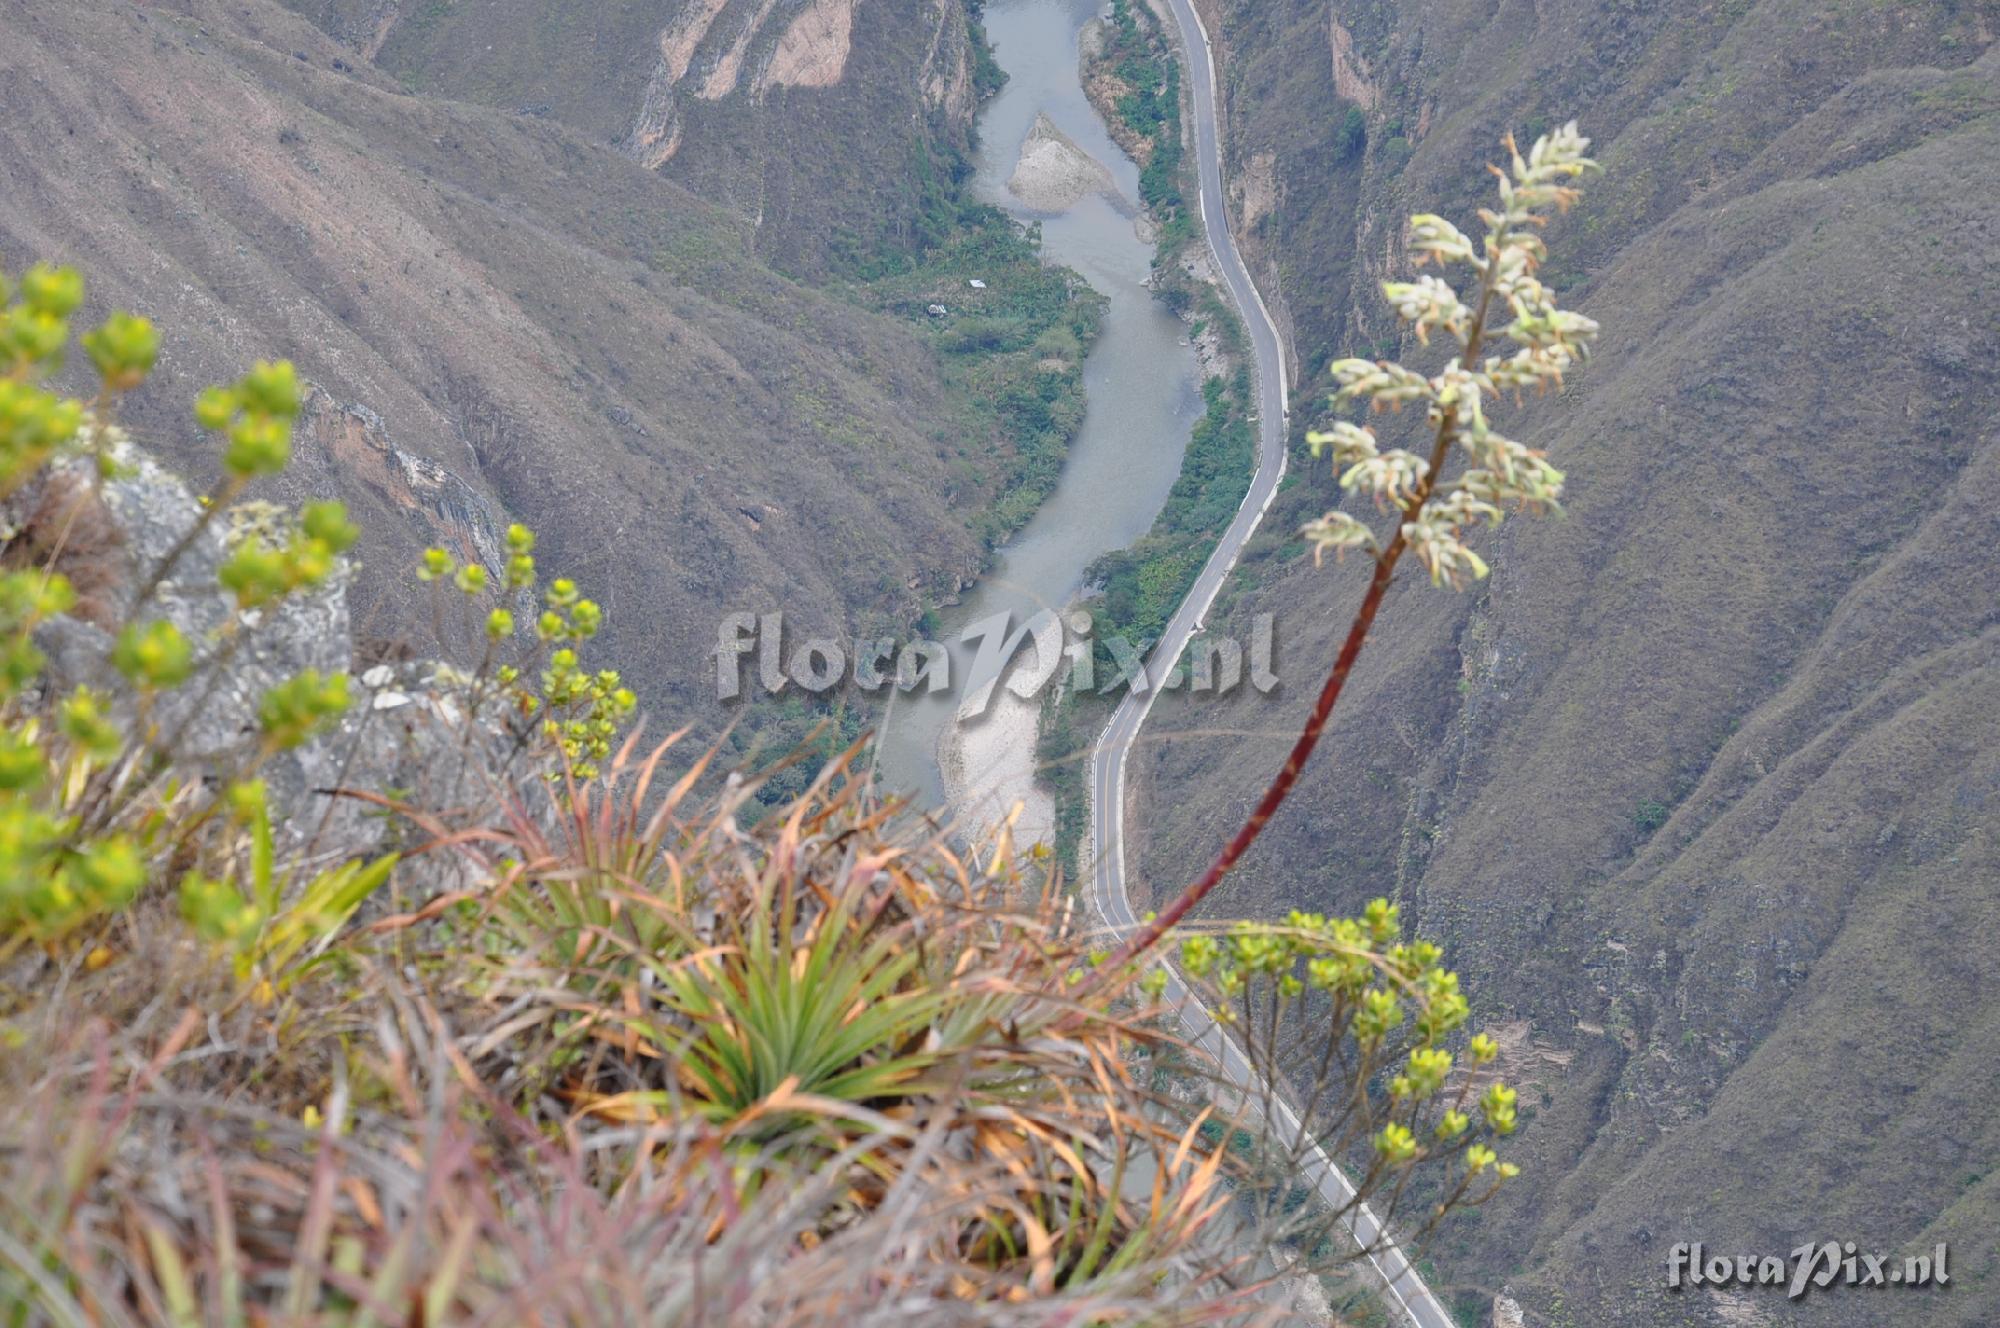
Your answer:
<point x="1141" y="380"/>
<point x="815" y="119"/>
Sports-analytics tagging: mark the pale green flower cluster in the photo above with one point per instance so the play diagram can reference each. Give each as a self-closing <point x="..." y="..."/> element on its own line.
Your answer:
<point x="1498" y="472"/>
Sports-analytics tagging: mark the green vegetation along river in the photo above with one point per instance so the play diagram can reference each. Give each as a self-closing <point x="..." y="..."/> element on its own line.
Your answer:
<point x="1144" y="394"/>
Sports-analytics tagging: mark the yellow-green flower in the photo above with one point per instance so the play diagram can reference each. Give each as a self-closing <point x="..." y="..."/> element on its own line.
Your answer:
<point x="327" y="522"/>
<point x="55" y="292"/>
<point x="271" y="388"/>
<point x="84" y="722"/>
<point x="124" y="350"/>
<point x="258" y="445"/>
<point x="215" y="407"/>
<point x="153" y="657"/>
<point x="1395" y="1143"/>
<point x="437" y="563"/>
<point x="109" y="873"/>
<point x="293" y="710"/>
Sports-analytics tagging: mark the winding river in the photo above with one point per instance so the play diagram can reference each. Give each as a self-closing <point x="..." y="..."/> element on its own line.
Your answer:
<point x="1143" y="389"/>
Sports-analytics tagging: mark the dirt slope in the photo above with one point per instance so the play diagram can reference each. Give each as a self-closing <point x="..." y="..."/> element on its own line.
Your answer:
<point x="506" y="319"/>
<point x="810" y="118"/>
<point x="1703" y="786"/>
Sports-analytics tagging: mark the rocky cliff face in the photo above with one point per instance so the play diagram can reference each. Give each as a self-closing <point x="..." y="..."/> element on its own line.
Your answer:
<point x="405" y="732"/>
<point x="1702" y="786"/>
<point x="805" y="116"/>
<point x="504" y="319"/>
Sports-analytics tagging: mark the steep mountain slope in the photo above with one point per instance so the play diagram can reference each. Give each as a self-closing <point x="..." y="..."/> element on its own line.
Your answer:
<point x="822" y="120"/>
<point x="1702" y="787"/>
<point x="504" y="321"/>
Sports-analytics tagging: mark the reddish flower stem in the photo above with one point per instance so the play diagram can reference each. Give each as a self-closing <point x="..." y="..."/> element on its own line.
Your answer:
<point x="1280" y="787"/>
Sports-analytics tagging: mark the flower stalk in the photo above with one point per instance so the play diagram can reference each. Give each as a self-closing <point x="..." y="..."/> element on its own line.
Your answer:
<point x="1498" y="471"/>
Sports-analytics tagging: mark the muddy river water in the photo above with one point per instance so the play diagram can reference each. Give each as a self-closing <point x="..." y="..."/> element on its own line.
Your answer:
<point x="1143" y="392"/>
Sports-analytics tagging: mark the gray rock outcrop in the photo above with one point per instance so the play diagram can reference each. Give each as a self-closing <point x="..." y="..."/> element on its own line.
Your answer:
<point x="405" y="731"/>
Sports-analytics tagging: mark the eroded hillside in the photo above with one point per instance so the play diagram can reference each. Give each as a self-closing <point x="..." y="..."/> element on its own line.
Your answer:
<point x="1703" y="784"/>
<point x="815" y="119"/>
<point x="503" y="319"/>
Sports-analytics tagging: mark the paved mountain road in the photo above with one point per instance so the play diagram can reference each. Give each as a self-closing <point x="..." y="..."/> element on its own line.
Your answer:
<point x="1404" y="1287"/>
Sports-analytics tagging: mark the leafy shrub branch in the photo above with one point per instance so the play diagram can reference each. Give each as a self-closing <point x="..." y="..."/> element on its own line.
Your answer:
<point x="102" y="798"/>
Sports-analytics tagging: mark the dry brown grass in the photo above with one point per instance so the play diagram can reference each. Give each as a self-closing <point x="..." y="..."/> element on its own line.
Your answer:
<point x="67" y="531"/>
<point x="488" y="1110"/>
